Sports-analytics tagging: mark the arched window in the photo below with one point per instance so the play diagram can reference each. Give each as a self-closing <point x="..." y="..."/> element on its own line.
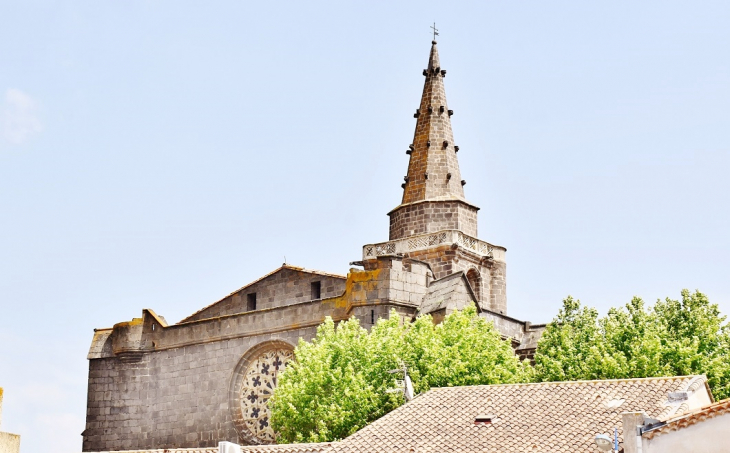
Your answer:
<point x="475" y="280"/>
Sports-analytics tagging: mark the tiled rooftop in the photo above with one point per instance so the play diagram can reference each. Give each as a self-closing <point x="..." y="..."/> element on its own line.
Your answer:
<point x="287" y="448"/>
<point x="691" y="418"/>
<point x="291" y="448"/>
<point x="554" y="417"/>
<point x="170" y="450"/>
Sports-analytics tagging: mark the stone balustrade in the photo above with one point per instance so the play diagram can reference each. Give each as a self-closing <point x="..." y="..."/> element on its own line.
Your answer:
<point x="429" y="240"/>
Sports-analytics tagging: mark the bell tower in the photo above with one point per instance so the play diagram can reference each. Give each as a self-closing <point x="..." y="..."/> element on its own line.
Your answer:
<point x="434" y="223"/>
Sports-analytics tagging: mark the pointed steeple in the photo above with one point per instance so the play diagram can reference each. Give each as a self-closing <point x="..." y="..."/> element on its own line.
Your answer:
<point x="434" y="224"/>
<point x="433" y="171"/>
<point x="433" y="181"/>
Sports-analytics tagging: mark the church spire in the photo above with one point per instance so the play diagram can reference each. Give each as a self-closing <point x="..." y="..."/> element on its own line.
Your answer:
<point x="433" y="193"/>
<point x="433" y="171"/>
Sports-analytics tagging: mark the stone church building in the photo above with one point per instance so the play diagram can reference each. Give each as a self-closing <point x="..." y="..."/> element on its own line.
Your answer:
<point x="208" y="378"/>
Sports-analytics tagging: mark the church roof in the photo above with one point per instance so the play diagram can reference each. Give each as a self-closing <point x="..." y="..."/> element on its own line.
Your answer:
<point x="551" y="416"/>
<point x="433" y="170"/>
<point x="275" y="271"/>
<point x="452" y="291"/>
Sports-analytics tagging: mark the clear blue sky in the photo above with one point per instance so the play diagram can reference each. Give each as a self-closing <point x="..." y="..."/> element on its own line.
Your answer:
<point x="162" y="154"/>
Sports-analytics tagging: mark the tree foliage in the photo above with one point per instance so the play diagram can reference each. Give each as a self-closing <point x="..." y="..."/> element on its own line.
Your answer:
<point x="339" y="381"/>
<point x="675" y="337"/>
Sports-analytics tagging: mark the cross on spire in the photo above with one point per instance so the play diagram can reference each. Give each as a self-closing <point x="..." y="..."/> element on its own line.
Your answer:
<point x="435" y="31"/>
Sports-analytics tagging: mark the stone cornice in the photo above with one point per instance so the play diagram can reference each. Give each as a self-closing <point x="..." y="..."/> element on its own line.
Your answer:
<point x="434" y="200"/>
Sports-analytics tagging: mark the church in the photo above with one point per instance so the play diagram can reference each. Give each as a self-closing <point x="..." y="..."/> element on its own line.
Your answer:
<point x="207" y="378"/>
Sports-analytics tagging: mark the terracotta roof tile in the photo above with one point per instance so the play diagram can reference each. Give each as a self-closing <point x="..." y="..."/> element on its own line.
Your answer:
<point x="170" y="450"/>
<point x="554" y="416"/>
<point x="287" y="448"/>
<point x="292" y="448"/>
<point x="691" y="418"/>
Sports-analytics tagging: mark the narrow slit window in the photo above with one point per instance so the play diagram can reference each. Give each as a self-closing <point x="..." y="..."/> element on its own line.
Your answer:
<point x="316" y="290"/>
<point x="372" y="316"/>
<point x="251" y="302"/>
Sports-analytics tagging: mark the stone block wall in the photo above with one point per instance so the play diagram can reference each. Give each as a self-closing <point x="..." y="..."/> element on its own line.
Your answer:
<point x="153" y="385"/>
<point x="289" y="285"/>
<point x="397" y="285"/>
<point x="168" y="399"/>
<point x="399" y="280"/>
<point x="490" y="287"/>
<point x="497" y="272"/>
<point x="432" y="216"/>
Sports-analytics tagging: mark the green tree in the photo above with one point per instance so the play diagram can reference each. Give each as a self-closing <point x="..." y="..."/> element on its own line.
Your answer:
<point x="339" y="381"/>
<point x="464" y="349"/>
<point x="568" y="345"/>
<point x="675" y="337"/>
<point x="696" y="339"/>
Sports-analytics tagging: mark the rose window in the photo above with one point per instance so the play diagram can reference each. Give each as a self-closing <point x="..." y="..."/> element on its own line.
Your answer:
<point x="257" y="385"/>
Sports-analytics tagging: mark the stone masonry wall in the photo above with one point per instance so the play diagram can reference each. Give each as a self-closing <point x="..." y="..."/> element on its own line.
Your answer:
<point x="168" y="399"/>
<point x="157" y="386"/>
<point x="433" y="216"/>
<point x="399" y="285"/>
<point x="445" y="260"/>
<point x="498" y="287"/>
<point x="287" y="286"/>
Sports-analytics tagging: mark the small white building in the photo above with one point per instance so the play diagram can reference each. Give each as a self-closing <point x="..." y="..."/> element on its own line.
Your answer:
<point x="704" y="430"/>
